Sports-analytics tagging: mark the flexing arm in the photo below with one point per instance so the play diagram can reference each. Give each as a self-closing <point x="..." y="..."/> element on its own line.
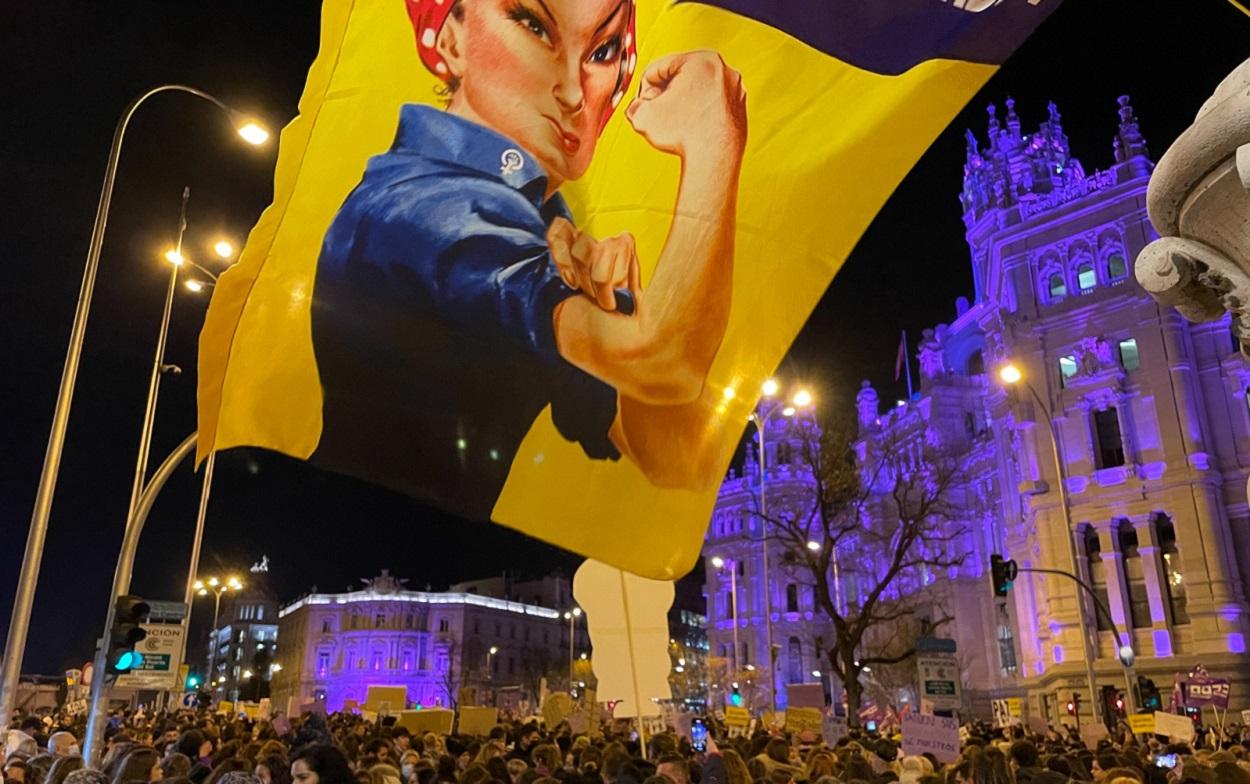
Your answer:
<point x="691" y="105"/>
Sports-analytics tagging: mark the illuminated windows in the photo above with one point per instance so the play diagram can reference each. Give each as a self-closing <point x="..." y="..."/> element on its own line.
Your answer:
<point x="1116" y="268"/>
<point x="1057" y="287"/>
<point x="1086" y="278"/>
<point x="1129" y="358"/>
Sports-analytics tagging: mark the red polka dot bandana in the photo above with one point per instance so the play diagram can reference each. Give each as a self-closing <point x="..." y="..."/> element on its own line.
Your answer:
<point x="428" y="17"/>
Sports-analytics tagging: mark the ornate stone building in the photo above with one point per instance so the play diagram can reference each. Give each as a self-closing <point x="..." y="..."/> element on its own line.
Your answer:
<point x="1153" y="426"/>
<point x="334" y="646"/>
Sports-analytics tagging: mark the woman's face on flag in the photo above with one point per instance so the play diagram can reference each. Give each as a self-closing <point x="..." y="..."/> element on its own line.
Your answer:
<point x="542" y="72"/>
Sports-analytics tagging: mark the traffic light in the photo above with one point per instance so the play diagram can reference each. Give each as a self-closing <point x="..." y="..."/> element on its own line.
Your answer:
<point x="1150" y="697"/>
<point x="1002" y="574"/>
<point x="128" y="612"/>
<point x="1074" y="705"/>
<point x="735" y="697"/>
<point x="193" y="681"/>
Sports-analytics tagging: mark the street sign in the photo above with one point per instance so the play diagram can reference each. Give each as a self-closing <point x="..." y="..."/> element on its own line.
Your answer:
<point x="1006" y="711"/>
<point x="939" y="680"/>
<point x="190" y="699"/>
<point x="166" y="611"/>
<point x="162" y="656"/>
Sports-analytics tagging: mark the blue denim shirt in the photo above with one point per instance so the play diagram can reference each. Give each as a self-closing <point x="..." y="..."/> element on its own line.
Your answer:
<point x="432" y="317"/>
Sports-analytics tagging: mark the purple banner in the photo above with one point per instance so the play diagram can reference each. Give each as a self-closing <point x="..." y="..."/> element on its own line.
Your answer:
<point x="891" y="36"/>
<point x="1207" y="691"/>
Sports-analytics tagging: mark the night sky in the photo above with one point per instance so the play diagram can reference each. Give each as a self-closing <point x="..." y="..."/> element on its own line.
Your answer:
<point x="70" y="67"/>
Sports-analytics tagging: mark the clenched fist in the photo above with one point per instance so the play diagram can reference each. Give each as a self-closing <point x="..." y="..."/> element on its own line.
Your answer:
<point x="691" y="104"/>
<point x="598" y="267"/>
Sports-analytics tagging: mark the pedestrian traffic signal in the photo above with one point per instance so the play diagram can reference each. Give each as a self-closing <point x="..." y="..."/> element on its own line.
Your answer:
<point x="193" y="681"/>
<point x="125" y="633"/>
<point x="735" y="697"/>
<point x="1150" y="697"/>
<point x="1002" y="574"/>
<point x="1074" y="705"/>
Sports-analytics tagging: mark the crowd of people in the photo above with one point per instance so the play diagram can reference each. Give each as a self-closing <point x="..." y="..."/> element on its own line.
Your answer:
<point x="190" y="747"/>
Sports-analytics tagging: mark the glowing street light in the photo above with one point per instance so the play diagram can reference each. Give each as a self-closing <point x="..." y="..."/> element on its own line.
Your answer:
<point x="1010" y="374"/>
<point x="718" y="562"/>
<point x="247" y="675"/>
<point x="217" y="587"/>
<point x="223" y="248"/>
<point x="761" y="416"/>
<point x="173" y="256"/>
<point x="813" y="545"/>
<point x="252" y="133"/>
<point x="194" y="286"/>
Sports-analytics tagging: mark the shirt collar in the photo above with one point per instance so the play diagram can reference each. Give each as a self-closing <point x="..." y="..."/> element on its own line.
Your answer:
<point x="438" y="135"/>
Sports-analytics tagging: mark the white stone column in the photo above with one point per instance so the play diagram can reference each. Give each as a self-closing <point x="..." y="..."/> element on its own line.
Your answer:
<point x="1114" y="574"/>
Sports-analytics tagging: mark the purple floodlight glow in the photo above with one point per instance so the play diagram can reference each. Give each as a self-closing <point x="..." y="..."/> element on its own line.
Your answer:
<point x="1058" y="654"/>
<point x="1163" y="642"/>
<point x="1236" y="642"/>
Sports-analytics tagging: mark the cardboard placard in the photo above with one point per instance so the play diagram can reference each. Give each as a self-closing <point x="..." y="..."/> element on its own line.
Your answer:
<point x="226" y="707"/>
<point x="1038" y="725"/>
<point x="556" y="708"/>
<point x="805" y="695"/>
<point x="351" y="706"/>
<point x="478" y="721"/>
<point x="1142" y="723"/>
<point x="833" y="729"/>
<point x="265" y="709"/>
<point x="386" y="699"/>
<point x="737" y="716"/>
<point x="802" y="719"/>
<point x="937" y="735"/>
<point x="1178" y="728"/>
<point x="436" y="720"/>
<point x="281" y="724"/>
<point x="1091" y="734"/>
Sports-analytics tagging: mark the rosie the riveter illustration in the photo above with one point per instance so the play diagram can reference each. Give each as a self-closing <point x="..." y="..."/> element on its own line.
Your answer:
<point x="455" y="299"/>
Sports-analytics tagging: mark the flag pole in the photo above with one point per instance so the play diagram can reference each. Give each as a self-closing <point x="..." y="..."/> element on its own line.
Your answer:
<point x="907" y="364"/>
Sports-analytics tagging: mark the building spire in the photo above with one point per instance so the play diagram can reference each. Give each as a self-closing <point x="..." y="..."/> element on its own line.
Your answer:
<point x="1131" y="142"/>
<point x="1013" y="121"/>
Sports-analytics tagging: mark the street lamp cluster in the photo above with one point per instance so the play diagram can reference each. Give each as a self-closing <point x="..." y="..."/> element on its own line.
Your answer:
<point x="772" y="403"/>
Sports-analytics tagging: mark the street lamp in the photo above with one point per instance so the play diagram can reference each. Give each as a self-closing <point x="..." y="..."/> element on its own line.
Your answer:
<point x="770" y="406"/>
<point x="19" y="625"/>
<point x="720" y="563"/>
<point x="571" y="616"/>
<point x="216" y="587"/>
<point x="1012" y="375"/>
<point x="490" y="654"/>
<point x="223" y="248"/>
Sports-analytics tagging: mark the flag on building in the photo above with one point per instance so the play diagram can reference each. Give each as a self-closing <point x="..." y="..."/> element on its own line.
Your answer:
<point x="547" y="295"/>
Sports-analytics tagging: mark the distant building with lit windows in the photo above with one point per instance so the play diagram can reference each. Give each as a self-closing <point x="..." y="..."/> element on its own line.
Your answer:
<point x="438" y="645"/>
<point x="241" y="649"/>
<point x="1153" y="418"/>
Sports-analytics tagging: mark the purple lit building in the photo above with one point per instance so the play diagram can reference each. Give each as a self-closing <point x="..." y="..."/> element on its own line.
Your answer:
<point x="494" y="639"/>
<point x="1153" y="419"/>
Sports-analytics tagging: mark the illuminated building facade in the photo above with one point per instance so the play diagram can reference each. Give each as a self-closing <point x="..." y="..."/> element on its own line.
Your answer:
<point x="1153" y="422"/>
<point x="438" y="645"/>
<point x="241" y="649"/>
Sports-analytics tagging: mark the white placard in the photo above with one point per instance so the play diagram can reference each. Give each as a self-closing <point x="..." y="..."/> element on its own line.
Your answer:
<point x="938" y="735"/>
<point x="1178" y="728"/>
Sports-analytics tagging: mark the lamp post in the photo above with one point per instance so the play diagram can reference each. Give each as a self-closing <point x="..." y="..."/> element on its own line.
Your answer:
<point x="216" y="587"/>
<point x="1012" y="376"/>
<point x="23" y="600"/>
<point x="490" y="654"/>
<point x="571" y="616"/>
<point x="772" y="405"/>
<point x="720" y="563"/>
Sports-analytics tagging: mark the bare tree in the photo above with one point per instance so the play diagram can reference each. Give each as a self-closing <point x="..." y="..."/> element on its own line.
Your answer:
<point x="537" y="663"/>
<point x="875" y="532"/>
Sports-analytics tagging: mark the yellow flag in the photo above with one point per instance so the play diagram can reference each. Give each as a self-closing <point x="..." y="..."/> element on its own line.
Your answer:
<point x="533" y="260"/>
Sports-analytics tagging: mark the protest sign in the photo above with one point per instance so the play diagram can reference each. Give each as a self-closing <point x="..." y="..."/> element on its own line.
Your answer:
<point x="555" y="708"/>
<point x="477" y="721"/>
<point x="1178" y="728"/>
<point x="802" y="719"/>
<point x="936" y="735"/>
<point x="1142" y="723"/>
<point x="386" y="699"/>
<point x="737" y="716"/>
<point x="805" y="695"/>
<point x="436" y="720"/>
<point x="1091" y="734"/>
<point x="833" y="729"/>
<point x="1202" y="690"/>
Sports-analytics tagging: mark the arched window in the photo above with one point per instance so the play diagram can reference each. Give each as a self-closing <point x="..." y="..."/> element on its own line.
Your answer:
<point x="976" y="363"/>
<point x="1086" y="278"/>
<point x="795" y="657"/>
<point x="1116" y="266"/>
<point x="784" y="453"/>
<point x="1097" y="572"/>
<point x="1134" y="576"/>
<point x="792" y="598"/>
<point x="1057" y="287"/>
<point x="1174" y="580"/>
